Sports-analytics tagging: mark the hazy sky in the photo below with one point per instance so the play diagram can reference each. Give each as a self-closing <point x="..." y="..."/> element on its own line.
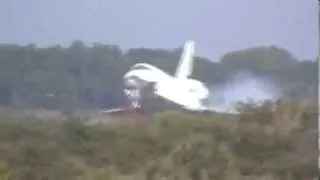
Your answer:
<point x="217" y="26"/>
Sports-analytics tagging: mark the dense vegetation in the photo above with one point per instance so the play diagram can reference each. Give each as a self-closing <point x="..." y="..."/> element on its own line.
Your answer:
<point x="267" y="142"/>
<point x="82" y="76"/>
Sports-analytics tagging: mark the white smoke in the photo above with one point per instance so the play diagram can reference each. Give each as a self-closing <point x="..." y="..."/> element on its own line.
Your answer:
<point x="242" y="87"/>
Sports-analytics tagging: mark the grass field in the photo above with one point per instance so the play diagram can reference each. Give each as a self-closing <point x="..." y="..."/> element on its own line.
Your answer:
<point x="268" y="142"/>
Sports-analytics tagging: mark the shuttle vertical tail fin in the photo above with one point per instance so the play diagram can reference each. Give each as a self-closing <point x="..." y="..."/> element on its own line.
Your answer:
<point x="185" y="65"/>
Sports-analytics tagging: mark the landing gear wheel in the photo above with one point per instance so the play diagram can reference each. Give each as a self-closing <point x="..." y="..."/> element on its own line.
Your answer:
<point x="134" y="98"/>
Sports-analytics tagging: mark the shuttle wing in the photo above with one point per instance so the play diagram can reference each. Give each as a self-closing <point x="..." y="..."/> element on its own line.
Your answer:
<point x="179" y="96"/>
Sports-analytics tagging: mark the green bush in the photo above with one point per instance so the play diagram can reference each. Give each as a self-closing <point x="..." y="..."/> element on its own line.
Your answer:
<point x="268" y="141"/>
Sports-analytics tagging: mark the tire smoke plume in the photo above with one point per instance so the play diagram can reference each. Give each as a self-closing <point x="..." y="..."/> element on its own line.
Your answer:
<point x="242" y="87"/>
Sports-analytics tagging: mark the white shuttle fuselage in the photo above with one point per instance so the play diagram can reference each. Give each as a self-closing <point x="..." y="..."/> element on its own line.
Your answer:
<point x="189" y="93"/>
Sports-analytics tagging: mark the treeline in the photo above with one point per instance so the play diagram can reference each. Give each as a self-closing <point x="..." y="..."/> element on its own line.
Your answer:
<point x="81" y="76"/>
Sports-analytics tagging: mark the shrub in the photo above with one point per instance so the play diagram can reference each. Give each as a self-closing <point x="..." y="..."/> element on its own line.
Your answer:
<point x="268" y="141"/>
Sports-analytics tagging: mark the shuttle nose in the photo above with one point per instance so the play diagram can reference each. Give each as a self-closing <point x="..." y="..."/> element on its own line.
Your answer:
<point x="130" y="82"/>
<point x="134" y="82"/>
